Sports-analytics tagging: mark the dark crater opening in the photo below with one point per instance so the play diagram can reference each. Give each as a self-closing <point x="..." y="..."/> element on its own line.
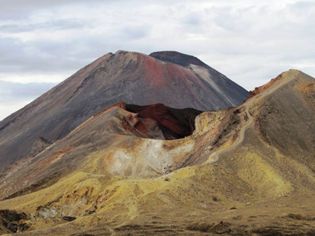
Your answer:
<point x="174" y="123"/>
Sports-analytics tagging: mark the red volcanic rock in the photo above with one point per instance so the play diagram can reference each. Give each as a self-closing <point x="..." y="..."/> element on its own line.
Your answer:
<point x="174" y="123"/>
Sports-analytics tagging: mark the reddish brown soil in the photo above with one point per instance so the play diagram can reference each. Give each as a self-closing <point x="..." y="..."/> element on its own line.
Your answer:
<point x="264" y="87"/>
<point x="174" y="123"/>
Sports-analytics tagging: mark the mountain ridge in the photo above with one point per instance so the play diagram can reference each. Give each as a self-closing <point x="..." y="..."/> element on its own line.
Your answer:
<point x="244" y="170"/>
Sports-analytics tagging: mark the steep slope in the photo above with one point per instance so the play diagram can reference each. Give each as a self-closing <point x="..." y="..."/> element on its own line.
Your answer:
<point x="230" y="93"/>
<point x="116" y="139"/>
<point x="244" y="171"/>
<point x="130" y="77"/>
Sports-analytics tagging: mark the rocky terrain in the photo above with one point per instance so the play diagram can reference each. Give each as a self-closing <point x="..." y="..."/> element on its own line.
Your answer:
<point x="138" y="168"/>
<point x="129" y="77"/>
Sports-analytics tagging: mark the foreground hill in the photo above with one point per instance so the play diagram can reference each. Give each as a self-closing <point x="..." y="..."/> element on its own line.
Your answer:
<point x="130" y="77"/>
<point x="244" y="170"/>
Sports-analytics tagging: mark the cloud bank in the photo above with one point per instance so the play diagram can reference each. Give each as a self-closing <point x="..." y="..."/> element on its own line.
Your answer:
<point x="252" y="41"/>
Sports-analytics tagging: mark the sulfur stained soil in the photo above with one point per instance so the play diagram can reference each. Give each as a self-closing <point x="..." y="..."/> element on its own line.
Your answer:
<point x="247" y="170"/>
<point x="172" y="206"/>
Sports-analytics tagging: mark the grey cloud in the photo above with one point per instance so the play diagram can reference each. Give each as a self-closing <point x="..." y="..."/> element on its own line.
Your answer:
<point x="10" y="91"/>
<point x="302" y="6"/>
<point x="21" y="57"/>
<point x="136" y="32"/>
<point x="192" y="19"/>
<point x="17" y="9"/>
<point x="58" y="24"/>
<point x="248" y="40"/>
<point x="20" y="9"/>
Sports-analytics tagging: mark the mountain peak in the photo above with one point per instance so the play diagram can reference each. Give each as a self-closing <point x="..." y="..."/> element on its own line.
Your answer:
<point x="177" y="58"/>
<point x="285" y="77"/>
<point x="131" y="77"/>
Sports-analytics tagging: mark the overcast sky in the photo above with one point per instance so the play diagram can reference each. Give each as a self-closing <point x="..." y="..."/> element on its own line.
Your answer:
<point x="42" y="42"/>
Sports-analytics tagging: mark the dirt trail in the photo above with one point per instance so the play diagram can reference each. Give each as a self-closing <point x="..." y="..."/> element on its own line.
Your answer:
<point x="249" y="119"/>
<point x="216" y="155"/>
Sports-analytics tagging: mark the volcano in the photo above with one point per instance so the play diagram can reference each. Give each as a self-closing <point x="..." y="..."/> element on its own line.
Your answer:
<point x="171" y="78"/>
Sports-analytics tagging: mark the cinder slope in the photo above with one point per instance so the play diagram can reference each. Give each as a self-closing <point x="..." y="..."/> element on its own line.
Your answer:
<point x="244" y="171"/>
<point x="130" y="77"/>
<point x="228" y="93"/>
<point x="116" y="139"/>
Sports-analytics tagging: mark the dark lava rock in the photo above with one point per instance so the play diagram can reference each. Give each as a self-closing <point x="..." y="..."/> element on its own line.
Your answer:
<point x="68" y="218"/>
<point x="11" y="220"/>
